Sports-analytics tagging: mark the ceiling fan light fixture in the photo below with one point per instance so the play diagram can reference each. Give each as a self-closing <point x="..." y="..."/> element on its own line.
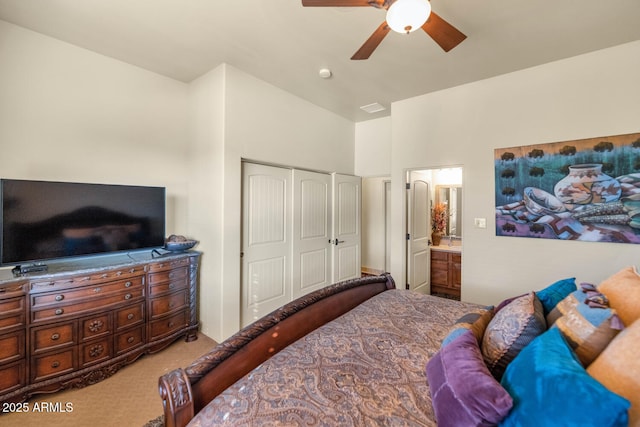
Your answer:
<point x="406" y="16"/>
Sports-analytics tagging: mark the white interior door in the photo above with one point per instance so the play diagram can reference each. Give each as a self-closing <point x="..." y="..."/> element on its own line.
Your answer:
<point x="418" y="232"/>
<point x="346" y="227"/>
<point x="311" y="231"/>
<point x="266" y="239"/>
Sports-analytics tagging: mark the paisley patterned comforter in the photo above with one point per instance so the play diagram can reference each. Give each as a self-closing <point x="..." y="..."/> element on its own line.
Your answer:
<point x="365" y="368"/>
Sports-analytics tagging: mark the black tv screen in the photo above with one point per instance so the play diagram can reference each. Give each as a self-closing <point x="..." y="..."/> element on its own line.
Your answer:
<point x="44" y="220"/>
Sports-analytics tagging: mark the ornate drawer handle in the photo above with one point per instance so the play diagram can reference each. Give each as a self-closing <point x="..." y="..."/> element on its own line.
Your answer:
<point x="59" y="311"/>
<point x="98" y="289"/>
<point x="127" y="284"/>
<point x="96" y="350"/>
<point x="133" y="270"/>
<point x="55" y="337"/>
<point x="59" y="297"/>
<point x="130" y="316"/>
<point x="170" y="324"/>
<point x="172" y="285"/>
<point x="130" y="340"/>
<point x="55" y="364"/>
<point x="127" y="296"/>
<point x="171" y="304"/>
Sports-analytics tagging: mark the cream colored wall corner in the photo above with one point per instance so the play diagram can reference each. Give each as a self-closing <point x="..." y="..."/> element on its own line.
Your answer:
<point x="69" y="114"/>
<point x="591" y="95"/>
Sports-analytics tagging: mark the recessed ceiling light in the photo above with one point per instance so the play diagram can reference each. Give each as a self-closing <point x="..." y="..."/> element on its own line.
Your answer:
<point x="372" y="108"/>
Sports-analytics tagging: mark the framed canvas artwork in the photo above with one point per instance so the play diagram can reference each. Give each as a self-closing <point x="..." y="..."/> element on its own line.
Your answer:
<point x="587" y="190"/>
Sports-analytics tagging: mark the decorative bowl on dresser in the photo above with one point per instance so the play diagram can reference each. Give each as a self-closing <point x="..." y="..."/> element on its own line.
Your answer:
<point x="81" y="321"/>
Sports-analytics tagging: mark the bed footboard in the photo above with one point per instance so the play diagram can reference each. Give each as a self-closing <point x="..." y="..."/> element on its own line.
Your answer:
<point x="185" y="392"/>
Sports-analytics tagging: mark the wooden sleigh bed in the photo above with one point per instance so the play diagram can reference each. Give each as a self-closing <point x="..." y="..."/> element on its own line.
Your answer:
<point x="187" y="392"/>
<point x="362" y="353"/>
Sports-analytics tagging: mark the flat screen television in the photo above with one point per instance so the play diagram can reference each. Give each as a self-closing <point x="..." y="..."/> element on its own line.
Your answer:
<point x="44" y="220"/>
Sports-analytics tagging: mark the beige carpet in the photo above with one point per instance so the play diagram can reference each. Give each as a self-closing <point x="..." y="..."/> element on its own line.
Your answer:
<point x="128" y="398"/>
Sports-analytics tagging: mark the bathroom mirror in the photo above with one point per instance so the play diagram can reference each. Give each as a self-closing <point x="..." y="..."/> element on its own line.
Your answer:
<point x="451" y="195"/>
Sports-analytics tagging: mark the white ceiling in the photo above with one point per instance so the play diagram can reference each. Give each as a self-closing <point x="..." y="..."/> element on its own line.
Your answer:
<point x="285" y="44"/>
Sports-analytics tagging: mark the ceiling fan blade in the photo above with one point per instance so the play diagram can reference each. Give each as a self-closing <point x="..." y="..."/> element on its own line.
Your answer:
<point x="372" y="42"/>
<point x="342" y="3"/>
<point x="443" y="33"/>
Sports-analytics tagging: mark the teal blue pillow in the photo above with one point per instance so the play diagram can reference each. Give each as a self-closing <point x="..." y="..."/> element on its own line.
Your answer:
<point x="549" y="387"/>
<point x="556" y="292"/>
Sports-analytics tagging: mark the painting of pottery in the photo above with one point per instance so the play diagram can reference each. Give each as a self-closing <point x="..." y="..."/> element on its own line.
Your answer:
<point x="587" y="190"/>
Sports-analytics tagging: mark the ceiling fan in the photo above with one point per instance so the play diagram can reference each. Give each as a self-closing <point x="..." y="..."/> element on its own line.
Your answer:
<point x="401" y="18"/>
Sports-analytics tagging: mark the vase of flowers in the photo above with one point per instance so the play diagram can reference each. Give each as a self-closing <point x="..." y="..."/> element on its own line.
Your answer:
<point x="438" y="222"/>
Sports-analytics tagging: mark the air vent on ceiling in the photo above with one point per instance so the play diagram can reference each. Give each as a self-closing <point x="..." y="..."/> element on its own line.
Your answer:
<point x="372" y="108"/>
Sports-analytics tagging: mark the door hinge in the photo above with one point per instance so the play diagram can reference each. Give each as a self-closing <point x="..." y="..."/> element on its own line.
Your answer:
<point x="408" y="186"/>
<point x="408" y="236"/>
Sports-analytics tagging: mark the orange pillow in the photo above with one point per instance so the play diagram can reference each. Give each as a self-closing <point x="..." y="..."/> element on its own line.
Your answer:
<point x="623" y="291"/>
<point x="618" y="369"/>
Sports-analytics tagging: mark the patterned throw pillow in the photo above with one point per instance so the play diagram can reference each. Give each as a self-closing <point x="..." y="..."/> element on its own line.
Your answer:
<point x="463" y="392"/>
<point x="623" y="291"/>
<point x="510" y="330"/>
<point x="618" y="368"/>
<point x="475" y="321"/>
<point x="588" y="330"/>
<point x="550" y="387"/>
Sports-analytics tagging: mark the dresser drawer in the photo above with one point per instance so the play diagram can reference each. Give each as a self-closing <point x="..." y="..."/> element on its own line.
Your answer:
<point x="88" y="279"/>
<point x="163" y="327"/>
<point x="130" y="316"/>
<point x="52" y="337"/>
<point x="12" y="377"/>
<point x="50" y="365"/>
<point x="130" y="339"/>
<point x="12" y="313"/>
<point x="64" y="311"/>
<point x="177" y="274"/>
<point x="175" y="284"/>
<point x="12" y="305"/>
<point x="12" y="321"/>
<point x="168" y="303"/>
<point x="95" y="326"/>
<point x="95" y="351"/>
<point x="168" y="265"/>
<point x="79" y="294"/>
<point x="12" y="347"/>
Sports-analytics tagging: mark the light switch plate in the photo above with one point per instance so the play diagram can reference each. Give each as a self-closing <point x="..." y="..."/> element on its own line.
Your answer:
<point x="480" y="222"/>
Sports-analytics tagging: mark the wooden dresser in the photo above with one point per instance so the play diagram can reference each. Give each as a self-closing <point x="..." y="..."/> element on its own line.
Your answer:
<point x="446" y="267"/>
<point x="81" y="321"/>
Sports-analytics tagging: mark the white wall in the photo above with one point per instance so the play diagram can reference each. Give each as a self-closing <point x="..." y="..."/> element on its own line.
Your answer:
<point x="69" y="114"/>
<point x="373" y="147"/>
<point x="586" y="96"/>
<point x="206" y="178"/>
<point x="263" y="123"/>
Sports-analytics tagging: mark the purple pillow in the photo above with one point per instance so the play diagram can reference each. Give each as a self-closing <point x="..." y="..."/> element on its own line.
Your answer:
<point x="463" y="391"/>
